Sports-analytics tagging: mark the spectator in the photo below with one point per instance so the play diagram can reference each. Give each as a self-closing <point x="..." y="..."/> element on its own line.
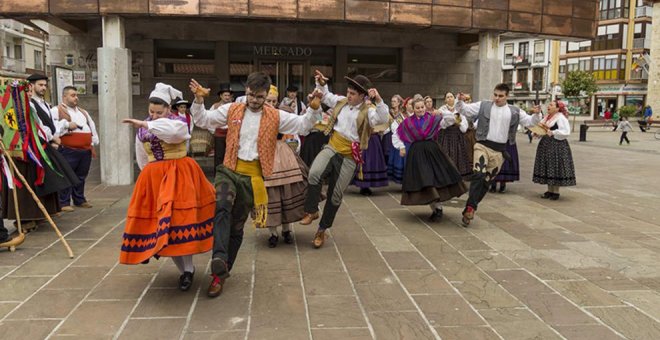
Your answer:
<point x="625" y="127"/>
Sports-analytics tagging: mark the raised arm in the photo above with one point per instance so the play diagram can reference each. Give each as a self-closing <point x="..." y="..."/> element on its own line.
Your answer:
<point x="468" y="110"/>
<point x="527" y="120"/>
<point x="299" y="125"/>
<point x="169" y="131"/>
<point x="206" y="119"/>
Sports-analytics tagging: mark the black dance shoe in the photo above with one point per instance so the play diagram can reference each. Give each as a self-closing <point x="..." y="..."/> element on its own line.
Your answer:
<point x="366" y="192"/>
<point x="288" y="238"/>
<point x="554" y="197"/>
<point x="502" y="188"/>
<point x="546" y="194"/>
<point x="436" y="215"/>
<point x="272" y="241"/>
<point x="186" y="280"/>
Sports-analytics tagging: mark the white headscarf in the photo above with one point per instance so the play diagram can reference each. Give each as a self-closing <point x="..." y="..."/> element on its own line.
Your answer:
<point x="165" y="92"/>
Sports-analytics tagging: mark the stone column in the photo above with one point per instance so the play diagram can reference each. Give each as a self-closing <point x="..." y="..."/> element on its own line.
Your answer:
<point x="115" y="104"/>
<point x="653" y="93"/>
<point x="489" y="67"/>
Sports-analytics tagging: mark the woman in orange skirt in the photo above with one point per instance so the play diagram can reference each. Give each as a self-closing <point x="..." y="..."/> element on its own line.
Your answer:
<point x="173" y="204"/>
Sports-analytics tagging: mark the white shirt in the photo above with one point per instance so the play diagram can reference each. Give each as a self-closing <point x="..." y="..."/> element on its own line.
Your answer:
<point x="500" y="119"/>
<point x="168" y="130"/>
<point x="449" y="119"/>
<point x="346" y="123"/>
<point x="247" y="144"/>
<point x="77" y="117"/>
<point x="396" y="141"/>
<point x="46" y="107"/>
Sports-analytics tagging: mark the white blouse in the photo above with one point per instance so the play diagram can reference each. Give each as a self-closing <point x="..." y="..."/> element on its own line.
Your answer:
<point x="168" y="130"/>
<point x="449" y="119"/>
<point x="500" y="119"/>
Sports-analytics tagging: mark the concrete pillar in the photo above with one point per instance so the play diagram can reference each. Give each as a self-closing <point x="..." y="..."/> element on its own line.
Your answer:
<point x="115" y="104"/>
<point x="653" y="93"/>
<point x="489" y="66"/>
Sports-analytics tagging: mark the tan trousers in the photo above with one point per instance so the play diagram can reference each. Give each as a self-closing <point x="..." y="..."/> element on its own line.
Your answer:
<point x="487" y="161"/>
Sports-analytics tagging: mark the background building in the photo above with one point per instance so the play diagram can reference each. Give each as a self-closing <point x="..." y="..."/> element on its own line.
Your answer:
<point x="624" y="34"/>
<point x="525" y="67"/>
<point x="22" y="50"/>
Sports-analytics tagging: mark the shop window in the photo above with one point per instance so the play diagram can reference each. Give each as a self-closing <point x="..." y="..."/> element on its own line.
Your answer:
<point x="184" y="58"/>
<point x="378" y="64"/>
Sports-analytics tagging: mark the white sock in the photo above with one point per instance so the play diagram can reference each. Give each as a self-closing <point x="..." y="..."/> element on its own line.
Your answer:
<point x="188" y="263"/>
<point x="178" y="261"/>
<point x="286" y="226"/>
<point x="436" y="205"/>
<point x="273" y="230"/>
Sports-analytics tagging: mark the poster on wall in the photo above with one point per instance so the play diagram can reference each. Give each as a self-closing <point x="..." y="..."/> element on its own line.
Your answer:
<point x="95" y="77"/>
<point x="63" y="77"/>
<point x="79" y="76"/>
<point x="81" y="87"/>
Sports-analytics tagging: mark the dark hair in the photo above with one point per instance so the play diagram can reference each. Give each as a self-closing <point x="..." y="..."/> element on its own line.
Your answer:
<point x="158" y="101"/>
<point x="448" y="92"/>
<point x="503" y="87"/>
<point x="68" y="88"/>
<point x="258" y="81"/>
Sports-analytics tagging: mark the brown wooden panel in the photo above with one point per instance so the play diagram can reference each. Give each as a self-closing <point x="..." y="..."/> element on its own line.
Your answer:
<point x="74" y="6"/>
<point x="458" y="3"/>
<point x="321" y="9"/>
<point x="502" y="5"/>
<point x="278" y="9"/>
<point x="584" y="28"/>
<point x="452" y="16"/>
<point x="556" y="25"/>
<point x="531" y="6"/>
<point x="401" y="13"/>
<point x="559" y="7"/>
<point x="174" y="7"/>
<point x="585" y="10"/>
<point x="368" y="11"/>
<point x="489" y="19"/>
<point x="223" y="7"/>
<point x="24" y="6"/>
<point x="124" y="6"/>
<point x="413" y="1"/>
<point x="525" y="22"/>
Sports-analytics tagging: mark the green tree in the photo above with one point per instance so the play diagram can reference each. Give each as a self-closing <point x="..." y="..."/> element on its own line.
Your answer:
<point x="579" y="84"/>
<point x="627" y="111"/>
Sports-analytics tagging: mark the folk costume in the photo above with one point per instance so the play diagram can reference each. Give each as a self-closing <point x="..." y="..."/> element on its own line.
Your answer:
<point x="351" y="128"/>
<point x="395" y="163"/>
<point x="430" y="176"/>
<point x="313" y="143"/>
<point x="172" y="205"/>
<point x="220" y="134"/>
<point x="374" y="169"/>
<point x="510" y="171"/>
<point x="239" y="181"/>
<point x="77" y="148"/>
<point x="497" y="126"/>
<point x="453" y="142"/>
<point x="553" y="164"/>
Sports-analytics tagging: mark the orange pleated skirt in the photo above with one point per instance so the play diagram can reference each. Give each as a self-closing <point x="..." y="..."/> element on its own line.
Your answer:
<point x="171" y="212"/>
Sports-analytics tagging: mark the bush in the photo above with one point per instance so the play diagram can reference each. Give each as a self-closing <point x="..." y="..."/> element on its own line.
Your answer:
<point x="627" y="111"/>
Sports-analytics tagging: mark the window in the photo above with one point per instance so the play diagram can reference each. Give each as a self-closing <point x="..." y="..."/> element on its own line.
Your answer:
<point x="537" y="79"/>
<point x="184" y="58"/>
<point x="562" y="69"/>
<point x="584" y="64"/>
<point x="614" y="9"/>
<point x="610" y="67"/>
<point x="573" y="64"/>
<point x="522" y="80"/>
<point x="508" y="54"/>
<point x="523" y="51"/>
<point x="507" y="77"/>
<point x="378" y="64"/>
<point x="18" y="52"/>
<point x="609" y="37"/>
<point x="38" y="60"/>
<point x="539" y="51"/>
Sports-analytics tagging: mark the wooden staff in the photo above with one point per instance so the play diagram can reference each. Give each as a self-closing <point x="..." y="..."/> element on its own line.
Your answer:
<point x="36" y="200"/>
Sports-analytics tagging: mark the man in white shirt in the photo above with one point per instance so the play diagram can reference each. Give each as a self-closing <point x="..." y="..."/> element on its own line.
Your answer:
<point x="252" y="130"/>
<point x="497" y="126"/>
<point x="351" y="125"/>
<point x="78" y="136"/>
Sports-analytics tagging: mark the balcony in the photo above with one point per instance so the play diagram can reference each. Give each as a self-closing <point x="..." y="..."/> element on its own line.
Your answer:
<point x="12" y="65"/>
<point x="521" y="87"/>
<point x="644" y="11"/>
<point x="522" y="60"/>
<point x="639" y="74"/>
<point x="644" y="43"/>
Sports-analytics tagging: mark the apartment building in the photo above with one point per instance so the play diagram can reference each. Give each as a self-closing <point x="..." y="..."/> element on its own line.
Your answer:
<point x="22" y="50"/>
<point x="525" y="67"/>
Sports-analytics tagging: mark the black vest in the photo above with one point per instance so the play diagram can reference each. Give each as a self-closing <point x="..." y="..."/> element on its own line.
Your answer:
<point x="44" y="116"/>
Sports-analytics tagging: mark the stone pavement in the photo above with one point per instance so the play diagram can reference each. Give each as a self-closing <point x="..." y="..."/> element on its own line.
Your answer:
<point x="583" y="267"/>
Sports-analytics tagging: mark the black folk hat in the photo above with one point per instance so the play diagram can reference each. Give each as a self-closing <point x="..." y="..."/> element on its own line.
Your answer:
<point x="360" y="83"/>
<point x="224" y="87"/>
<point x="36" y="76"/>
<point x="179" y="101"/>
<point x="292" y="88"/>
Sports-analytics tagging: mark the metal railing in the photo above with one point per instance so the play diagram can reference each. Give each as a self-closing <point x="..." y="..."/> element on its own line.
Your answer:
<point x="642" y="43"/>
<point x="639" y="75"/>
<point x="522" y="60"/>
<point x="13" y="65"/>
<point x="644" y="11"/>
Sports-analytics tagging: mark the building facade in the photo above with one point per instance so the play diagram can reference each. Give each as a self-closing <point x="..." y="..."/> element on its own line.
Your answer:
<point x="118" y="50"/>
<point x="526" y="68"/>
<point x="22" y="50"/>
<point x="624" y="34"/>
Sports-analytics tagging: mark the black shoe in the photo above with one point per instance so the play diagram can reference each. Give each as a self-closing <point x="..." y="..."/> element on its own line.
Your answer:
<point x="288" y="238"/>
<point x="493" y="187"/>
<point x="186" y="280"/>
<point x="546" y="194"/>
<point x="502" y="188"/>
<point x="272" y="241"/>
<point x="436" y="215"/>
<point x="366" y="192"/>
<point x="554" y="197"/>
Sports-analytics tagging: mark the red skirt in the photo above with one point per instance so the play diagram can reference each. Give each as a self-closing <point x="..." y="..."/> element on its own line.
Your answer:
<point x="170" y="214"/>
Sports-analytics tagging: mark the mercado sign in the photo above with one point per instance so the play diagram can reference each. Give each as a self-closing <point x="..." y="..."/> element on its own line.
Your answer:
<point x="282" y="51"/>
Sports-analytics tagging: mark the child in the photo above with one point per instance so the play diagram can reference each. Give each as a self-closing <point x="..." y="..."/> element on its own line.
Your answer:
<point x="625" y="127"/>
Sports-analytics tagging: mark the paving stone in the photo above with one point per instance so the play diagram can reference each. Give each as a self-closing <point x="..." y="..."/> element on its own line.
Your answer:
<point x="400" y="325"/>
<point x="629" y="322"/>
<point x="26" y="329"/>
<point x="60" y="303"/>
<point x="472" y="333"/>
<point x="281" y="333"/>
<point x="448" y="310"/>
<point x="556" y="310"/>
<point x="585" y="293"/>
<point x="424" y="282"/>
<point x="490" y="260"/>
<point x="384" y="298"/>
<point x="270" y="300"/>
<point x="234" y="335"/>
<point x="20" y="288"/>
<point x="161" y="302"/>
<point x="517" y="323"/>
<point x="587" y="332"/>
<point x="153" y="329"/>
<point x="609" y="279"/>
<point x="328" y="283"/>
<point x="96" y="318"/>
<point x="486" y="294"/>
<point x="335" y="311"/>
<point x="519" y="282"/>
<point x="6" y="307"/>
<point x="547" y="269"/>
<point x="213" y="314"/>
<point x="405" y="260"/>
<point x="78" y="278"/>
<point x="121" y="287"/>
<point x="647" y="301"/>
<point x="346" y="333"/>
